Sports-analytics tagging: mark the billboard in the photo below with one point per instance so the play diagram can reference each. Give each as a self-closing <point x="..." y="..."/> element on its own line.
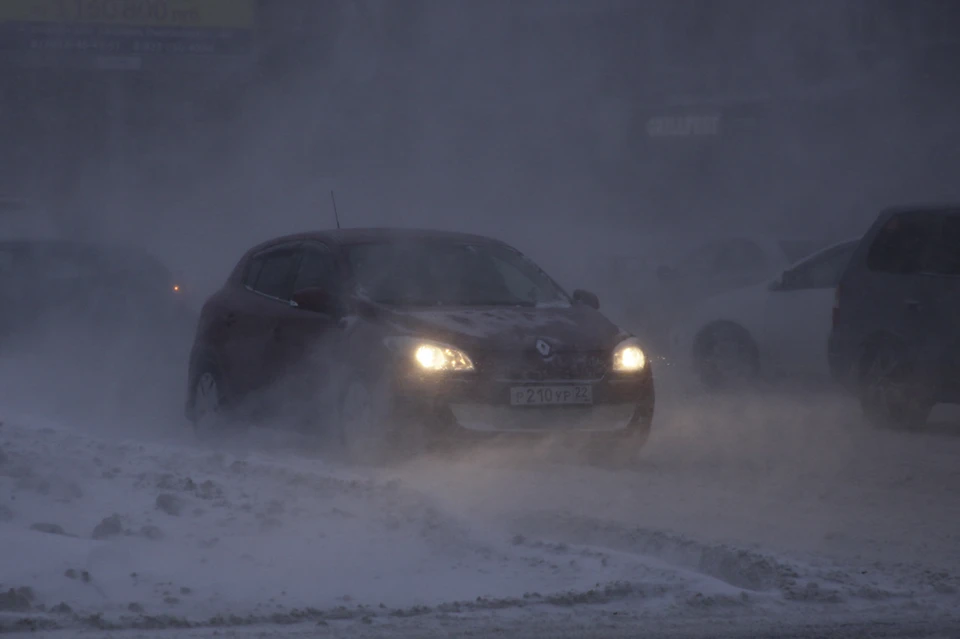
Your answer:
<point x="126" y="34"/>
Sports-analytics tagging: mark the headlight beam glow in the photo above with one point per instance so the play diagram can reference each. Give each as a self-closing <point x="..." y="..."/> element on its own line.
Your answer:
<point x="629" y="358"/>
<point x="434" y="357"/>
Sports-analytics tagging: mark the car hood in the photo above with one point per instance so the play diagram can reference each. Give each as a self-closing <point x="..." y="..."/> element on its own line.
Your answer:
<point x="569" y="328"/>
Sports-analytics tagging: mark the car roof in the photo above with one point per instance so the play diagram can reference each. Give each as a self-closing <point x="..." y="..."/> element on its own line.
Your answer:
<point x="376" y="234"/>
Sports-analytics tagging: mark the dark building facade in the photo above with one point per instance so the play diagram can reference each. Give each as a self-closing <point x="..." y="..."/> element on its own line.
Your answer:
<point x="816" y="113"/>
<point x="668" y="107"/>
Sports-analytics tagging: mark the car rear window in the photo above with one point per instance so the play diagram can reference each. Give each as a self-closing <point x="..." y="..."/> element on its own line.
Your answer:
<point x="917" y="242"/>
<point x="900" y="243"/>
<point x="943" y="254"/>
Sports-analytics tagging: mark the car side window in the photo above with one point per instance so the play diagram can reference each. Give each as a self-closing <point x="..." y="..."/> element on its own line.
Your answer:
<point x="901" y="243"/>
<point x="318" y="268"/>
<point x="943" y="254"/>
<point x="274" y="275"/>
<point x="253" y="272"/>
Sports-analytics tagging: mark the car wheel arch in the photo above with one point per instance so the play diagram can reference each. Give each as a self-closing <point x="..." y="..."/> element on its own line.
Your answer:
<point x="202" y="360"/>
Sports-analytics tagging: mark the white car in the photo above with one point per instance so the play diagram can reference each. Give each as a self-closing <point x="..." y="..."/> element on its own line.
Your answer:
<point x="728" y="262"/>
<point x="779" y="328"/>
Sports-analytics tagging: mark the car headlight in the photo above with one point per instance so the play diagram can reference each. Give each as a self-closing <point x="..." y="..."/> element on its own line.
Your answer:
<point x="431" y="356"/>
<point x="628" y="357"/>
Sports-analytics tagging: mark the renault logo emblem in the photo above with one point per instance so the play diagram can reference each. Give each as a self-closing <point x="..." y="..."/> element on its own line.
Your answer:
<point x="543" y="348"/>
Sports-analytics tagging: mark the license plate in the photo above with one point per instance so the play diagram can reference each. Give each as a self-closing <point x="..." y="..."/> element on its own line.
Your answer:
<point x="551" y="395"/>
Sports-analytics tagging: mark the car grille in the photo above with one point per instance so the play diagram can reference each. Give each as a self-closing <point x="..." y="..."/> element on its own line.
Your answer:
<point x="532" y="367"/>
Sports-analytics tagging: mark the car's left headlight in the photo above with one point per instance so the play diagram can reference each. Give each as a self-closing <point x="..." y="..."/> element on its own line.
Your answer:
<point x="432" y="356"/>
<point x="628" y="357"/>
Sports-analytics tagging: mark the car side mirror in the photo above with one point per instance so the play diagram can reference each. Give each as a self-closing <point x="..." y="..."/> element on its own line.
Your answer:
<point x="317" y="300"/>
<point x="581" y="296"/>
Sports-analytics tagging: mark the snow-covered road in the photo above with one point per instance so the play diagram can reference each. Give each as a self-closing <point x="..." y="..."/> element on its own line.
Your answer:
<point x="743" y="511"/>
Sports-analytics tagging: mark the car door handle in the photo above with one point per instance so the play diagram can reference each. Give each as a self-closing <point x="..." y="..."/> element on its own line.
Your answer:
<point x="229" y="319"/>
<point x="912" y="305"/>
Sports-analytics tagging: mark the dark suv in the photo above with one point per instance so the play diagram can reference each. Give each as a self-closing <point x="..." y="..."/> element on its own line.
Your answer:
<point x="896" y="321"/>
<point x="396" y="337"/>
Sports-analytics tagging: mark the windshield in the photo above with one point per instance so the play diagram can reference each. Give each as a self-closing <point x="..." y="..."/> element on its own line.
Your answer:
<point x="443" y="273"/>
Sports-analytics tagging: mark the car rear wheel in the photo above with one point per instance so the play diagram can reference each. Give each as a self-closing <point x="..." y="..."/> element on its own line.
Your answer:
<point x="892" y="394"/>
<point x="726" y="357"/>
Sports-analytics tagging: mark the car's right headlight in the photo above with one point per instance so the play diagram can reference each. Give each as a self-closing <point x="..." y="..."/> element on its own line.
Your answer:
<point x="431" y="356"/>
<point x="628" y="357"/>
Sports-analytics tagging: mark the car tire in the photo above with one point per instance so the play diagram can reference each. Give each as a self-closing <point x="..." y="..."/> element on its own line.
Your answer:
<point x="726" y="357"/>
<point x="371" y="432"/>
<point x="891" y="393"/>
<point x="207" y="403"/>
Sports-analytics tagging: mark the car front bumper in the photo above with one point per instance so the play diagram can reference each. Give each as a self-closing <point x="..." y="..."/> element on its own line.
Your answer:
<point x="476" y="410"/>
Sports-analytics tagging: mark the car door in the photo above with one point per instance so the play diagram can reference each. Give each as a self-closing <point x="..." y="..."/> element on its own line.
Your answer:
<point x="797" y="313"/>
<point x="304" y="344"/>
<point x="248" y="317"/>
<point x="900" y="295"/>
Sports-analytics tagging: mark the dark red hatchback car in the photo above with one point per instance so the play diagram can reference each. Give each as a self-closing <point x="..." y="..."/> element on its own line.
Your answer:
<point x="395" y="340"/>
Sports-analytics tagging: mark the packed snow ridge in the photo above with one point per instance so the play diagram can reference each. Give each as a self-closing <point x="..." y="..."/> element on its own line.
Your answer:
<point x="139" y="534"/>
